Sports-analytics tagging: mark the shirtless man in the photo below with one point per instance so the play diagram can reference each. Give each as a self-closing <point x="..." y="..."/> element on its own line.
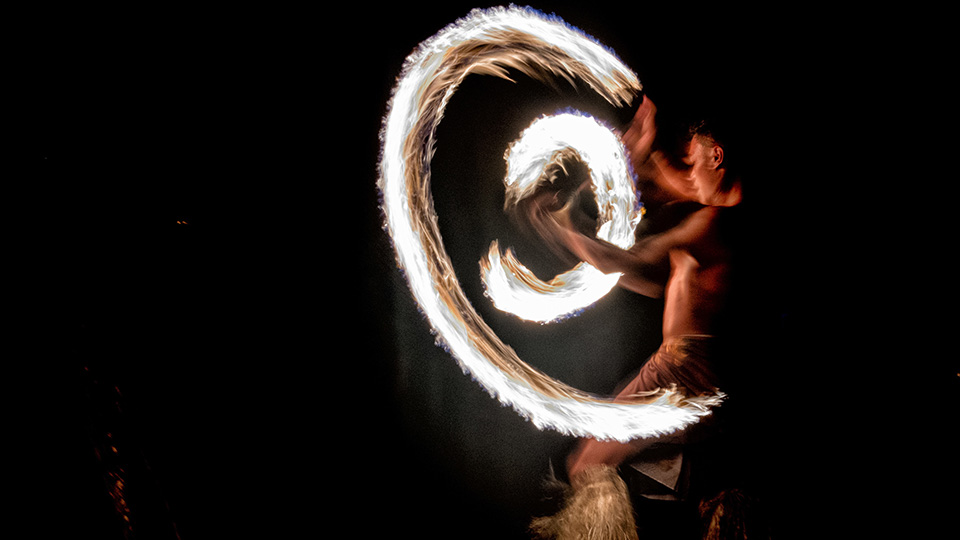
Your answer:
<point x="687" y="265"/>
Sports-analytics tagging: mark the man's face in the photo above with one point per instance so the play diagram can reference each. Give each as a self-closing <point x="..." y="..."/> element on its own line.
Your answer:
<point x="703" y="172"/>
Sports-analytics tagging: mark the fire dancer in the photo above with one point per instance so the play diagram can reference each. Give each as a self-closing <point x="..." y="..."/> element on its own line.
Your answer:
<point x="688" y="265"/>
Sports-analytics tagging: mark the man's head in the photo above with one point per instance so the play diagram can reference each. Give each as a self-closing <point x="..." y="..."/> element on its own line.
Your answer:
<point x="709" y="176"/>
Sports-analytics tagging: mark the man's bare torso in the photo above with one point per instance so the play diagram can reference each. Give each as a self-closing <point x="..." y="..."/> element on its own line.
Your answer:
<point x="699" y="277"/>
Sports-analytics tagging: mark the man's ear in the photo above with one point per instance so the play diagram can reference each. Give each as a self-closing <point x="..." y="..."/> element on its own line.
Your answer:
<point x="716" y="155"/>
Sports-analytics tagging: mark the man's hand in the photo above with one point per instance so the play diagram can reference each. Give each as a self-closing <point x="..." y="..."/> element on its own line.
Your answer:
<point x="641" y="133"/>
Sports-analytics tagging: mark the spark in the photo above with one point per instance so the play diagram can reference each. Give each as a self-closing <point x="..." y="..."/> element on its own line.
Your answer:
<point x="492" y="42"/>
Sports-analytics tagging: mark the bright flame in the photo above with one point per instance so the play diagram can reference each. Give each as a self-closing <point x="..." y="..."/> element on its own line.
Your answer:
<point x="509" y="284"/>
<point x="491" y="42"/>
<point x="515" y="289"/>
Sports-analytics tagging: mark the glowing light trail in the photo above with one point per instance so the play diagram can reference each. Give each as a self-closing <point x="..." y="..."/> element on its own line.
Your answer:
<point x="491" y="42"/>
<point x="508" y="283"/>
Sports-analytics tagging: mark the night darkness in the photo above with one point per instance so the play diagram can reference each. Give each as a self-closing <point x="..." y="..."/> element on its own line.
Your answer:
<point x="222" y="307"/>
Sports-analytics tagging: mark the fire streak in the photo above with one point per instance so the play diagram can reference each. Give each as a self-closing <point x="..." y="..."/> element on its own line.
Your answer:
<point x="509" y="284"/>
<point x="491" y="42"/>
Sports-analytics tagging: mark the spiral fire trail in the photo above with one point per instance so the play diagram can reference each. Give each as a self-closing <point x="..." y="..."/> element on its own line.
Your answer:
<point x="492" y="42"/>
<point x="551" y="139"/>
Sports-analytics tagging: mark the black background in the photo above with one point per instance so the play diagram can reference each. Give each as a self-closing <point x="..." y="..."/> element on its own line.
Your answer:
<point x="216" y="291"/>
